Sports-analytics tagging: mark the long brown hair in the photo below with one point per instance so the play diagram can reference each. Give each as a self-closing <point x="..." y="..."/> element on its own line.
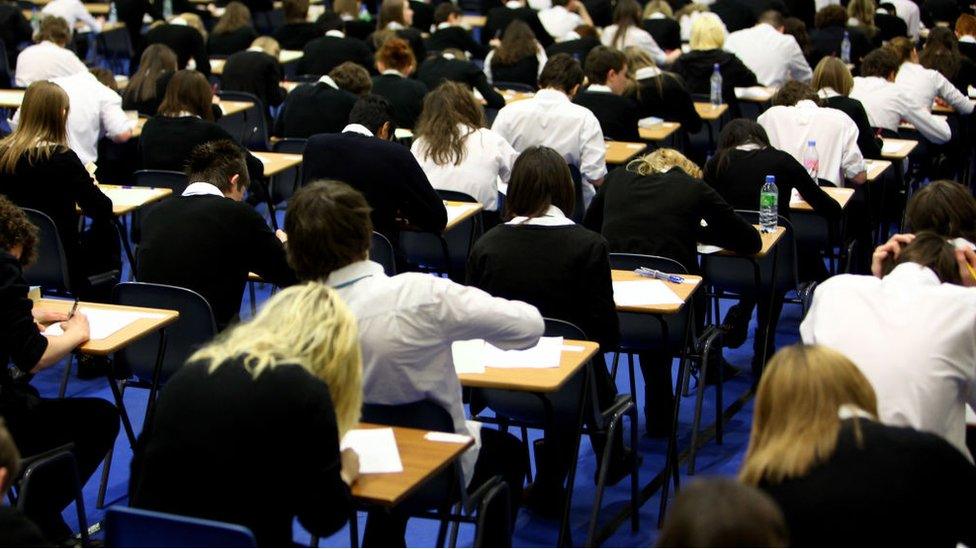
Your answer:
<point x="188" y="91"/>
<point x="627" y="14"/>
<point x="236" y="16"/>
<point x="391" y="10"/>
<point x="518" y="42"/>
<point x="156" y="60"/>
<point x="43" y="127"/>
<point x="941" y="52"/>
<point x="450" y="115"/>
<point x="833" y="73"/>
<point x="540" y="178"/>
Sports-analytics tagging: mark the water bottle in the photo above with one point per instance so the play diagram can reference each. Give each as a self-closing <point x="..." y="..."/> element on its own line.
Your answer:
<point x="167" y="9"/>
<point x="845" y="48"/>
<point x="35" y="20"/>
<point x="811" y="161"/>
<point x="364" y="14"/>
<point x="768" y="205"/>
<point x="113" y="13"/>
<point x="716" y="86"/>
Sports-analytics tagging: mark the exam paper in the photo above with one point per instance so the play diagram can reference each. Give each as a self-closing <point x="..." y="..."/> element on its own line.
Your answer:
<point x="644" y="292"/>
<point x="472" y="356"/>
<point x="103" y="322"/>
<point x="755" y="92"/>
<point x="708" y="249"/>
<point x="890" y="147"/>
<point x="795" y="197"/>
<point x="454" y="212"/>
<point x="130" y="197"/>
<point x="650" y="122"/>
<point x="376" y="448"/>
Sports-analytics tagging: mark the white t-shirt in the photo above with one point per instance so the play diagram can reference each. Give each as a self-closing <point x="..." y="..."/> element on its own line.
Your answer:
<point x="44" y="61"/>
<point x="886" y="104"/>
<point x="559" y="21"/>
<point x="773" y="56"/>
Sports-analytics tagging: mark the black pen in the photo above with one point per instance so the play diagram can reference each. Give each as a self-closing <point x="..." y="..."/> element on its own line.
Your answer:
<point x="73" y="309"/>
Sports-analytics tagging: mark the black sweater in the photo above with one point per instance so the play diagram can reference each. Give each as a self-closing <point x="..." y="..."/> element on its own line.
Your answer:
<point x="456" y="37"/>
<point x="438" y="69"/>
<point x="524" y="71"/>
<point x="20" y="341"/>
<point x="209" y="244"/>
<point x="212" y="430"/>
<point x="869" y="144"/>
<point x="14" y="30"/>
<point x="617" y="115"/>
<point x="696" y="68"/>
<point x="666" y="97"/>
<point x="227" y="43"/>
<point x="661" y="214"/>
<point x="254" y="72"/>
<point x="314" y="108"/>
<point x="295" y="36"/>
<point x="405" y="94"/>
<point x="148" y="106"/>
<point x="324" y="54"/>
<point x="666" y="32"/>
<point x="897" y="488"/>
<point x="577" y="49"/>
<point x="167" y="142"/>
<point x="741" y="176"/>
<point x="185" y="41"/>
<point x="826" y="42"/>
<point x="499" y="18"/>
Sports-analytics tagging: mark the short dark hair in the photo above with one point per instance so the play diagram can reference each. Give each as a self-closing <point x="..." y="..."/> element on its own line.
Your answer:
<point x="372" y="111"/>
<point x="17" y="230"/>
<point x="328" y="227"/>
<point x="830" y="16"/>
<point x="352" y="77"/>
<point x="561" y="72"/>
<point x="793" y="92"/>
<point x="9" y="456"/>
<point x="931" y="250"/>
<point x="444" y="12"/>
<point x="881" y="62"/>
<point x="540" y="178"/>
<point x="721" y="512"/>
<point x="295" y="10"/>
<point x="54" y="29"/>
<point x="772" y="18"/>
<point x="602" y="60"/>
<point x="945" y="207"/>
<point x="215" y="162"/>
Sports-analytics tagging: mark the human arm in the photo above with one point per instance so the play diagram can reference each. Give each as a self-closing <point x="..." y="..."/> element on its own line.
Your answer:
<point x="593" y="153"/>
<point x="799" y="69"/>
<point x="493" y="99"/>
<point x="92" y="201"/>
<point x="463" y="312"/>
<point x="889" y="249"/>
<point x="931" y="127"/>
<point x="579" y="8"/>
<point x="601" y="309"/>
<point x="852" y="162"/>
<point x="820" y="201"/>
<point x="418" y="201"/>
<point x="593" y="218"/>
<point x="647" y="43"/>
<point x="726" y="228"/>
<point x="956" y="99"/>
<point x="264" y="250"/>
<point x="275" y="93"/>
<point x="116" y="125"/>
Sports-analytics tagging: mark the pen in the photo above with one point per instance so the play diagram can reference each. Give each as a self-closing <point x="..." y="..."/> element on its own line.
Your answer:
<point x="654" y="273"/>
<point x="73" y="309"/>
<point x="972" y="272"/>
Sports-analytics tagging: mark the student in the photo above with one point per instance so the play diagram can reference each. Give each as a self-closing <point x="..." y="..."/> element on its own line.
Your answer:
<point x="518" y="59"/>
<point x="563" y="17"/>
<point x="923" y="86"/>
<point x="352" y="78"/>
<point x="941" y="53"/>
<point x="886" y="103"/>
<point x="48" y="58"/>
<point x="280" y="390"/>
<point x="297" y="30"/>
<point x="660" y="24"/>
<point x="550" y="118"/>
<point x="395" y="63"/>
<point x="456" y="151"/>
<point x="501" y="17"/>
<point x="233" y="32"/>
<point x="39" y="171"/>
<point x="348" y="11"/>
<point x="860" y="15"/>
<point x="406" y="326"/>
<point x="773" y="56"/>
<point x="833" y="82"/>
<point x="38" y="424"/>
<point x="909" y="12"/>
<point x="73" y="12"/>
<point x="721" y="512"/>
<point x="655" y="207"/>
<point x="16" y="530"/>
<point x="831" y="28"/>
<point x="577" y="44"/>
<point x="450" y="65"/>
<point x="386" y="173"/>
<point x="148" y="85"/>
<point x="889" y="24"/>
<point x="626" y="31"/>
<point x="698" y="65"/>
<point x="258" y="72"/>
<point x="944" y="207"/>
<point x="661" y="94"/>
<point x="796" y="119"/>
<point x="396" y="17"/>
<point x="449" y="33"/>
<point x="14" y="31"/>
<point x="322" y="107"/>
<point x="966" y="33"/>
<point x="792" y="26"/>
<point x="207" y="239"/>
<point x="815" y="436"/>
<point x="182" y="35"/>
<point x="606" y="72"/>
<point x="327" y="52"/>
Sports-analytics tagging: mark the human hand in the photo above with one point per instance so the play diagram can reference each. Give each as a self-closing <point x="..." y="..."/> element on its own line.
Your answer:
<point x="46" y="316"/>
<point x="892" y="247"/>
<point x="350" y="466"/>
<point x="282" y="236"/>
<point x="966" y="258"/>
<point x="77" y="326"/>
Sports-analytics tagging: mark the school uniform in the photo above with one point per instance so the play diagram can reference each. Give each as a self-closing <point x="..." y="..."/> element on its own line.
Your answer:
<point x="72" y="11"/>
<point x="576" y="47"/>
<point x="886" y="104"/>
<point x="664" y="95"/>
<point x="167" y="141"/>
<point x="601" y="12"/>
<point x="826" y="42"/>
<point x="228" y="43"/>
<point x="149" y="105"/>
<point x="440" y="68"/>
<point x="523" y="71"/>
<point x="405" y="94"/>
<point x="499" y="18"/>
<point x="16" y="530"/>
<point x="314" y="108"/>
<point x="355" y="28"/>
<point x="255" y="72"/>
<point x="559" y="21"/>
<point x="14" y="30"/>
<point x="735" y="15"/>
<point x="132" y="13"/>
<point x="867" y="142"/>
<point x="923" y="85"/>
<point x="890" y="25"/>
<point x="616" y="114"/>
<point x="774" y="57"/>
<point x="697" y="67"/>
<point x="185" y="42"/>
<point x="909" y="12"/>
<point x="636" y="37"/>
<point x="664" y="30"/>
<point x="412" y="36"/>
<point x="44" y="61"/>
<point x="323" y="54"/>
<point x="423" y="16"/>
<point x="453" y="36"/>
<point x="295" y="36"/>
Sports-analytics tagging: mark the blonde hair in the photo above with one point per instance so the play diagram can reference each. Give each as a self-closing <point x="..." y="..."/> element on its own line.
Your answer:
<point x="831" y="72"/>
<point x="306" y="325"/>
<point x="657" y="6"/>
<point x="236" y="16"/>
<point x="662" y="161"/>
<point x="707" y="33"/>
<point x="193" y="20"/>
<point x="268" y="45"/>
<point x="42" y="129"/>
<point x="863" y="11"/>
<point x="796" y="422"/>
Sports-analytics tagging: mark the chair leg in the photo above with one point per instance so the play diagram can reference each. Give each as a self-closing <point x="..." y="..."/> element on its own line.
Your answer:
<point x="103" y="483"/>
<point x="313" y="541"/>
<point x="601" y="482"/>
<point x="528" y="453"/>
<point x="635" y="474"/>
<point x="442" y="528"/>
<point x="696" y="422"/>
<point x="630" y="373"/>
<point x="455" y="526"/>
<point x="353" y="529"/>
<point x="613" y="369"/>
<point x="254" y="302"/>
<point x="64" y="378"/>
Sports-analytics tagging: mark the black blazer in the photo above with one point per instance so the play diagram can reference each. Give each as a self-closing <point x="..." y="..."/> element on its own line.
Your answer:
<point x="328" y="52"/>
<point x="386" y="173"/>
<point x="209" y="244"/>
<point x="667" y="97"/>
<point x="314" y="108"/>
<point x="147" y="107"/>
<point x="867" y="141"/>
<point x="890" y="26"/>
<point x="524" y="71"/>
<point x="826" y="42"/>
<point x="735" y="14"/>
<point x="21" y="345"/>
<point x="294" y="36"/>
<point x="499" y="18"/>
<point x="14" y="30"/>
<point x="406" y="95"/>
<point x="601" y="11"/>
<point x="455" y="37"/>
<point x="666" y="32"/>
<point x="229" y="43"/>
<point x="438" y="69"/>
<point x="423" y="16"/>
<point x="617" y="114"/>
<point x="185" y="41"/>
<point x="167" y="142"/>
<point x="661" y="214"/>
<point x="254" y="72"/>
<point x="696" y="68"/>
<point x="578" y="48"/>
<point x="357" y="28"/>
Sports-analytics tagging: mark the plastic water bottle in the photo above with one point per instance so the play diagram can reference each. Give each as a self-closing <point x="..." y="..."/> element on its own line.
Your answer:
<point x="768" y="205"/>
<point x="845" y="48"/>
<point x="811" y="161"/>
<point x="113" y="13"/>
<point x="35" y="20"/>
<point x="167" y="9"/>
<point x="716" y="86"/>
<point x="364" y="14"/>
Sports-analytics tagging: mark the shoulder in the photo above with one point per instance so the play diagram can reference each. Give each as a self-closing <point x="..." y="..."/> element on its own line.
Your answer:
<point x="847" y="283"/>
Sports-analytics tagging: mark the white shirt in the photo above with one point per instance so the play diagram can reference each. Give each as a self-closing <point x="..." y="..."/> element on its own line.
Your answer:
<point x="554" y="217"/>
<point x="559" y="21"/>
<point x="774" y="57"/>
<point x="908" y="11"/>
<point x="886" y="104"/>
<point x="406" y="326"/>
<point x="487" y="158"/>
<point x="328" y="81"/>
<point x="539" y="5"/>
<point x="551" y="119"/>
<point x="71" y="11"/>
<point x="912" y="337"/>
<point x="202" y="188"/>
<point x="636" y="37"/>
<point x="45" y="61"/>
<point x="357" y="128"/>
<point x="923" y="85"/>
<point x="540" y="55"/>
<point x="790" y="128"/>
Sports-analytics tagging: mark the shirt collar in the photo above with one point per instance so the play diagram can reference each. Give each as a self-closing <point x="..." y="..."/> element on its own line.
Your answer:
<point x="827" y="93"/>
<point x="569" y="36"/>
<point x="335" y="33"/>
<point x="255" y="48"/>
<point x="394" y="72"/>
<point x="968" y="39"/>
<point x="448" y="56"/>
<point x="748" y="147"/>
<point x="647" y="72"/>
<point x="202" y="188"/>
<point x="658" y="15"/>
<point x="552" y="94"/>
<point x="358" y="128"/>
<point x="444" y="25"/>
<point x="912" y="273"/>
<point x="328" y="81"/>
<point x="554" y="217"/>
<point x="849" y="411"/>
<point x="599" y="88"/>
<point x="352" y="272"/>
<point x="513" y="5"/>
<point x="394" y="26"/>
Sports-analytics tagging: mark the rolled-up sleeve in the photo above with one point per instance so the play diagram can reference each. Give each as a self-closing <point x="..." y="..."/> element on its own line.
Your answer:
<point x="593" y="154"/>
<point x="114" y="120"/>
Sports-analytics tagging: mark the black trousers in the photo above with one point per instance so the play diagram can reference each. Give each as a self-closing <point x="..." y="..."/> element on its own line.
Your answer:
<point x="500" y="454"/>
<point x="38" y="425"/>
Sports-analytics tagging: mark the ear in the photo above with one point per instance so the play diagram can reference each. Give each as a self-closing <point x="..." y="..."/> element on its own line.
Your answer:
<point x="235" y="182"/>
<point x="3" y="479"/>
<point x="574" y="91"/>
<point x="384" y="132"/>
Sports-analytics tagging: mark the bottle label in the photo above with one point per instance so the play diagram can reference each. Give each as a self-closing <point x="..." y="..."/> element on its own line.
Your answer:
<point x="767" y="200"/>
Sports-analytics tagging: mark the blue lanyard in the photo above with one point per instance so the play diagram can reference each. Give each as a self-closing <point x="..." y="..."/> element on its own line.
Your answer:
<point x="350" y="282"/>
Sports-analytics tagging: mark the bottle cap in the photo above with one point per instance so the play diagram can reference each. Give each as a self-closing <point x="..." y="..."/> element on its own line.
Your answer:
<point x="812" y="143"/>
<point x="715" y="66"/>
<point x="770" y="179"/>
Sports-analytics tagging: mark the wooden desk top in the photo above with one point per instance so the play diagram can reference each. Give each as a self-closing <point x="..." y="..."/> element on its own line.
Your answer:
<point x="769" y="240"/>
<point x="275" y="163"/>
<point x="535" y="380"/>
<point x="284" y="57"/>
<point x="906" y="146"/>
<point x="619" y="152"/>
<point x="875" y="168"/>
<point x="474" y="20"/>
<point x="755" y="94"/>
<point x="11" y="99"/>
<point x="659" y="132"/>
<point x="131" y="333"/>
<point x="470" y="209"/>
<point x="709" y="112"/>
<point x="232" y="107"/>
<point x="421" y="458"/>
<point x="128" y="199"/>
<point x="684" y="291"/>
<point x="512" y="96"/>
<point x="942" y="109"/>
<point x="841" y="194"/>
<point x="140" y="123"/>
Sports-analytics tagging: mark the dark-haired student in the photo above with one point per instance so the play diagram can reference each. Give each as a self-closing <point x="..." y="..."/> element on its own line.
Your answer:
<point x="563" y="17"/>
<point x="661" y="94"/>
<point x="826" y="40"/>
<point x="655" y="207"/>
<point x="148" y="85"/>
<point x="185" y="40"/>
<point x="322" y="107"/>
<point x="450" y="65"/>
<point x="297" y="30"/>
<point x="519" y="58"/>
<point x="256" y="71"/>
<point x="334" y="48"/>
<point x="233" y="32"/>
<point x="208" y="239"/>
<point x="407" y="324"/>
<point x="606" y="71"/>
<point x="387" y="174"/>
<point x="348" y="11"/>
<point x="395" y="63"/>
<point x="451" y="35"/>
<point x="576" y="44"/>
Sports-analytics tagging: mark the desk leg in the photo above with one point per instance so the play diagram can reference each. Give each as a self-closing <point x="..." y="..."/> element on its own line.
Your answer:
<point x="770" y="325"/>
<point x="124" y="415"/>
<point x="157" y="371"/>
<point x="565" y="537"/>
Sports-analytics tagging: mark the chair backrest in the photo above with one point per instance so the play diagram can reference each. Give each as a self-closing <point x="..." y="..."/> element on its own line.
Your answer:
<point x="166" y="179"/>
<point x="194" y="328"/>
<point x="428" y="249"/>
<point x="514" y="86"/>
<point x="381" y="251"/>
<point x="250" y="127"/>
<point x="41" y="473"/>
<point x="637" y="331"/>
<point x="578" y="208"/>
<point x="561" y="328"/>
<point x="728" y="274"/>
<point x="115" y="47"/>
<point x="293" y="145"/>
<point x="50" y="270"/>
<point x="127" y="527"/>
<point x="6" y="75"/>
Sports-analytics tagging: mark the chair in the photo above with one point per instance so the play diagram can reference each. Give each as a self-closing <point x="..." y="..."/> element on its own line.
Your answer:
<point x="280" y="189"/>
<point x="155" y="358"/>
<point x="448" y="251"/>
<point x="115" y="47"/>
<point x="514" y="86"/>
<point x="579" y="210"/>
<point x="250" y="127"/>
<point x="56" y="467"/>
<point x="50" y="270"/>
<point x="127" y="527"/>
<point x="381" y="251"/>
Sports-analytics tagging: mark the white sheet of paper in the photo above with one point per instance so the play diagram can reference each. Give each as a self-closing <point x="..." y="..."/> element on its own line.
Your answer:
<point x="469" y="356"/>
<point x="650" y="122"/>
<point x="889" y="147"/>
<point x="644" y="292"/>
<point x="377" y="450"/>
<point x="545" y="354"/>
<point x="130" y="197"/>
<point x="437" y="436"/>
<point x="755" y="92"/>
<point x="708" y="249"/>
<point x="454" y="212"/>
<point x="795" y="197"/>
<point x="103" y="322"/>
<point x="402" y="133"/>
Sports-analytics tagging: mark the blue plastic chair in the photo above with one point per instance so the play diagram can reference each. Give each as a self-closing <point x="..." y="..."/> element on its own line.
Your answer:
<point x="127" y="527"/>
